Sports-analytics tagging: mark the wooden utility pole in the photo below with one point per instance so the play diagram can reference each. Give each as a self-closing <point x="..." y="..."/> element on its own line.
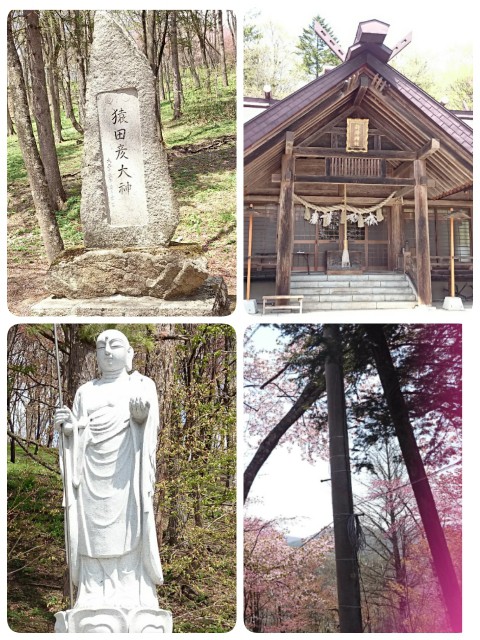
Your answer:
<point x="348" y="583"/>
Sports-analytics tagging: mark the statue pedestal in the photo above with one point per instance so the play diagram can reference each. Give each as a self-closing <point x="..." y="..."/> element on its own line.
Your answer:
<point x="110" y="620"/>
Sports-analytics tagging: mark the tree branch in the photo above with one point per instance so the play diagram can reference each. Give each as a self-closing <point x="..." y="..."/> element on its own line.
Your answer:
<point x="310" y="394"/>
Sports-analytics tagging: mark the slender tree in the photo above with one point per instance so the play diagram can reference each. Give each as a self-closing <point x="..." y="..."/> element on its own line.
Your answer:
<point x="177" y="80"/>
<point x="10" y="125"/>
<point x="45" y="213"/>
<point x="65" y="82"/>
<point x="155" y="30"/>
<point x="221" y="39"/>
<point x="51" y="48"/>
<point x="43" y="119"/>
<point x="418" y="477"/>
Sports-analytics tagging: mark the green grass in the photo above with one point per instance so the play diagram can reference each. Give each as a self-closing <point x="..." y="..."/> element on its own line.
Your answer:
<point x="69" y="223"/>
<point x="15" y="165"/>
<point x="204" y="181"/>
<point x="204" y="115"/>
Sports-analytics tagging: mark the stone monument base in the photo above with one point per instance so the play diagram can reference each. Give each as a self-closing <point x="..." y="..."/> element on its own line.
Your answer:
<point x="110" y="620"/>
<point x="211" y="299"/>
<point x="159" y="272"/>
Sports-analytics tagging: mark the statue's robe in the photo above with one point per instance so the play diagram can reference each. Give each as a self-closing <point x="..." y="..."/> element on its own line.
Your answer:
<point x="109" y="484"/>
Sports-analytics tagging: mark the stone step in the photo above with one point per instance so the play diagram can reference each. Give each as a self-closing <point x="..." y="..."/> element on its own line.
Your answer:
<point x="324" y="292"/>
<point x="371" y="284"/>
<point x="351" y="306"/>
<point x="321" y="277"/>
<point x="359" y="297"/>
<point x="314" y="293"/>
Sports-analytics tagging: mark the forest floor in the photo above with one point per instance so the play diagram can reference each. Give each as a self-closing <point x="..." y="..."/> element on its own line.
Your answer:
<point x="204" y="180"/>
<point x="37" y="578"/>
<point x="36" y="557"/>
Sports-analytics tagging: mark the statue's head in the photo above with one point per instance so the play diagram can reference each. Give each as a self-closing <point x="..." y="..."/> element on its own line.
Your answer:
<point x="114" y="352"/>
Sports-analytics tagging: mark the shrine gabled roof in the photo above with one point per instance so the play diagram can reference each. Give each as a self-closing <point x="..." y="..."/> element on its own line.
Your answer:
<point x="284" y="114"/>
<point x="366" y="87"/>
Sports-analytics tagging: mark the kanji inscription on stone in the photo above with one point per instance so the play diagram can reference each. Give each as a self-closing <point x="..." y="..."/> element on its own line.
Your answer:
<point x="123" y="169"/>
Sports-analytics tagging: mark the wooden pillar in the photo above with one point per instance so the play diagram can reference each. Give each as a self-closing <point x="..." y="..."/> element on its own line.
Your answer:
<point x="452" y="258"/>
<point x="249" y="257"/>
<point x="395" y="234"/>
<point x="424" y="277"/>
<point x="286" y="220"/>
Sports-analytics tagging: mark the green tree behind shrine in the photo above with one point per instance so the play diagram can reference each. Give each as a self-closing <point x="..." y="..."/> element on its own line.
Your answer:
<point x="315" y="53"/>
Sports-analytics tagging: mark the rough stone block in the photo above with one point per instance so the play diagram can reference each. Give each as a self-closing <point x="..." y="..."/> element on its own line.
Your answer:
<point x="127" y="196"/>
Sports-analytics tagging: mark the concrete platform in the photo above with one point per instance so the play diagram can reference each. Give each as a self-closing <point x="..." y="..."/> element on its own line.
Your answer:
<point x="211" y="299"/>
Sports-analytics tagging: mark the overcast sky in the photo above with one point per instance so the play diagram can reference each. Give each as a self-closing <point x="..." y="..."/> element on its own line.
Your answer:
<point x="434" y="29"/>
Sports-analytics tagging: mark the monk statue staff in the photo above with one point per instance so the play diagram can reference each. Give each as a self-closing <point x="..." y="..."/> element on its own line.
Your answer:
<point x="64" y="453"/>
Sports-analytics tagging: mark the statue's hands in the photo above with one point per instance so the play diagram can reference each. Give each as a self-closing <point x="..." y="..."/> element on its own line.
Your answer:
<point x="139" y="410"/>
<point x="64" y="421"/>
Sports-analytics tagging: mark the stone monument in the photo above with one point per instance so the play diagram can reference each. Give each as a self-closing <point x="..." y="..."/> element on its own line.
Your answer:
<point x="108" y="452"/>
<point x="129" y="264"/>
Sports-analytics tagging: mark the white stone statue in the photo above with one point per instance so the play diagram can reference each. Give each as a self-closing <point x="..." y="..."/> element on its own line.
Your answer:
<point x="110" y="438"/>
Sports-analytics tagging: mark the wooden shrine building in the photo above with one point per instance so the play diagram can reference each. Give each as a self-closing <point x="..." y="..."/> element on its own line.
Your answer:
<point x="360" y="172"/>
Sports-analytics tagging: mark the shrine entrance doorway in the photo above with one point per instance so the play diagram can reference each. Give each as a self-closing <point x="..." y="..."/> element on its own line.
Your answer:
<point x="316" y="247"/>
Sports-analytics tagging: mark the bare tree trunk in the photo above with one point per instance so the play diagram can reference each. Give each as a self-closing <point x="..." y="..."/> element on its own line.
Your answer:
<point x="80" y="49"/>
<point x="221" y="39"/>
<point x="196" y="19"/>
<point x="311" y="392"/>
<point x="36" y="175"/>
<point x="10" y="127"/>
<point x="154" y="53"/>
<point x="161" y="83"/>
<point x="52" y="47"/>
<point x="166" y="77"/>
<point x="232" y="25"/>
<point x="46" y="139"/>
<point x="191" y="64"/>
<point x="177" y="80"/>
<point x="442" y="560"/>
<point x="65" y="88"/>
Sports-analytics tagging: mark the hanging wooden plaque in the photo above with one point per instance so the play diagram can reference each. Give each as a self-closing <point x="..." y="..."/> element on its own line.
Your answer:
<point x="357" y="135"/>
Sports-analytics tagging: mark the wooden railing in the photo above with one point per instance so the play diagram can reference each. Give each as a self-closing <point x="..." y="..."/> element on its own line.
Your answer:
<point x="441" y="265"/>
<point x="410" y="267"/>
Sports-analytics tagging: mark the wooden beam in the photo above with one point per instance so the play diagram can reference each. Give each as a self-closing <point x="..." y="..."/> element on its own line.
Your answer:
<point x="393" y="182"/>
<point x="401" y="44"/>
<point x="269" y="198"/>
<point x="330" y="127"/>
<point x="326" y="152"/>
<point x="362" y="90"/>
<point x="289" y="139"/>
<point x="403" y="170"/>
<point x="329" y="41"/>
<point x="424" y="181"/>
<point x="422" y="243"/>
<point x="430" y="147"/>
<point x="403" y="191"/>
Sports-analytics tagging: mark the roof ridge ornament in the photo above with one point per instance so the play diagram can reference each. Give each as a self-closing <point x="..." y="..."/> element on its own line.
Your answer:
<point x="370" y="36"/>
